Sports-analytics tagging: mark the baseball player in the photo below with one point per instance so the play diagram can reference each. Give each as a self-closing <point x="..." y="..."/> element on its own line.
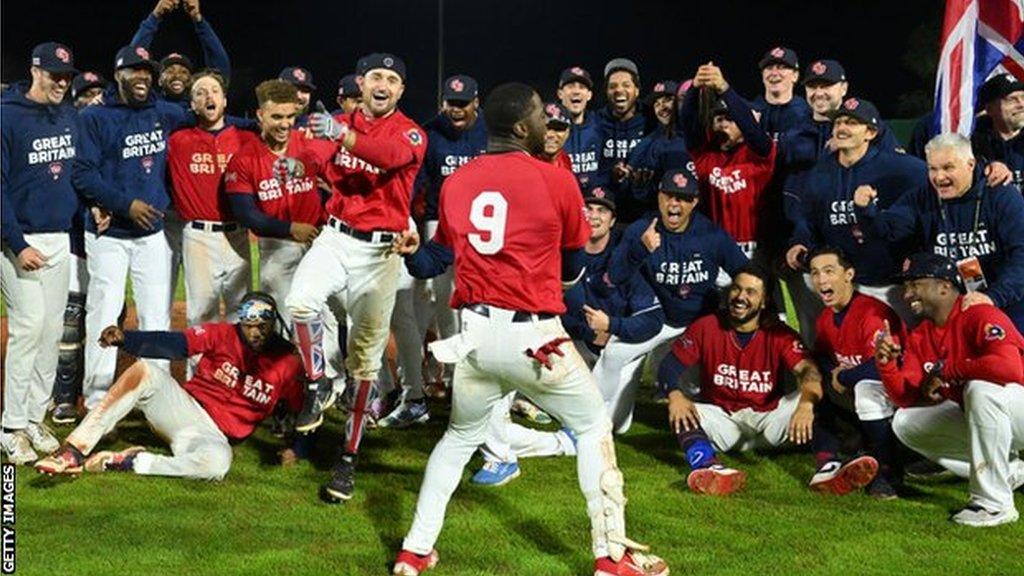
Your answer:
<point x="87" y="89"/>
<point x="302" y="79"/>
<point x="780" y="111"/>
<point x="848" y="331"/>
<point x="378" y="153"/>
<point x="513" y="257"/>
<point x="661" y="150"/>
<point x="349" y="95"/>
<point x="120" y="167"/>
<point x="827" y="215"/>
<point x="38" y="141"/>
<point x="742" y="352"/>
<point x="735" y="158"/>
<point x="958" y="384"/>
<point x="575" y="90"/>
<point x="558" y="128"/>
<point x="215" y="248"/>
<point x="244" y="369"/>
<point x="997" y="134"/>
<point x="622" y="126"/>
<point x="176" y="69"/>
<point x="680" y="254"/>
<point x="959" y="215"/>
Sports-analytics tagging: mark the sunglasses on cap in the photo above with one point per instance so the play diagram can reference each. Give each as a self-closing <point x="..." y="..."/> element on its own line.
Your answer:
<point x="254" y="311"/>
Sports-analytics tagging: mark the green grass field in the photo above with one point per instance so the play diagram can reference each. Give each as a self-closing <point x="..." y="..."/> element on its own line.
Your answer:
<point x="264" y="519"/>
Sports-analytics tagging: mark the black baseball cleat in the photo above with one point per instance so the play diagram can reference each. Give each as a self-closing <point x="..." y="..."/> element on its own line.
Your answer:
<point x="319" y="396"/>
<point x="343" y="481"/>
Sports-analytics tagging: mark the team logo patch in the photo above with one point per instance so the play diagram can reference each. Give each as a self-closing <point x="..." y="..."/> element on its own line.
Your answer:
<point x="91" y="77"/>
<point x="684" y="290"/>
<point x="659" y="87"/>
<point x="414" y="137"/>
<point x="142" y="52"/>
<point x="577" y="71"/>
<point x="55" y="169"/>
<point x="778" y="52"/>
<point x="994" y="332"/>
<point x="198" y="330"/>
<point x="598" y="192"/>
<point x="299" y="75"/>
<point x="680" y="180"/>
<point x="851" y="104"/>
<point x="231" y="176"/>
<point x="62" y="54"/>
<point x="389" y="62"/>
<point x="457" y="85"/>
<point x="687" y="342"/>
<point x="607" y="280"/>
<point x="819" y="68"/>
<point x="147" y="164"/>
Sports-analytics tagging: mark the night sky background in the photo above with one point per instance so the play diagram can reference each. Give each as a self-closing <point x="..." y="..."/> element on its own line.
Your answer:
<point x="889" y="48"/>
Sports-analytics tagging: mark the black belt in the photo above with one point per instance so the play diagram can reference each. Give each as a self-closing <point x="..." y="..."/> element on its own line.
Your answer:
<point x="518" y="316"/>
<point x="213" y="226"/>
<point x="376" y="236"/>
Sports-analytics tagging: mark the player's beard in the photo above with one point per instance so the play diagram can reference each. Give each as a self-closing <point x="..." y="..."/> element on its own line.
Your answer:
<point x="750" y="315"/>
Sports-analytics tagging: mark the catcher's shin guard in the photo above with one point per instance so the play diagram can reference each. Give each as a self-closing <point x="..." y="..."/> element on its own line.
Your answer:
<point x="362" y="395"/>
<point x="609" y="523"/>
<point x="67" y="386"/>
<point x="309" y="337"/>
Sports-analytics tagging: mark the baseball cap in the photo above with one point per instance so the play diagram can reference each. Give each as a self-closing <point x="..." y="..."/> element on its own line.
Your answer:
<point x="381" y="60"/>
<point x="684" y="87"/>
<point x="86" y="80"/>
<point x="719" y="107"/>
<point x="859" y="109"/>
<point x="298" y="77"/>
<point x="665" y="88"/>
<point x="679" y="182"/>
<point x="557" y="114"/>
<point x="54" y="57"/>
<point x="825" y="71"/>
<point x="617" y="64"/>
<point x="133" y="56"/>
<point x="575" y="74"/>
<point x="599" y="195"/>
<point x="779" y="55"/>
<point x="175" y="58"/>
<point x="347" y="86"/>
<point x="931" y="265"/>
<point x="459" y="88"/>
<point x="998" y="86"/>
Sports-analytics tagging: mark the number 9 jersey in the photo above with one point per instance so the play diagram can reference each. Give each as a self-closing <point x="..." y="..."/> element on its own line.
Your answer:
<point x="505" y="216"/>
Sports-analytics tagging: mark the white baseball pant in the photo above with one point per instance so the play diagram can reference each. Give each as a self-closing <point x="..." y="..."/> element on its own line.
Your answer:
<point x="508" y="441"/>
<point x="35" y="325"/>
<point x="746" y="429"/>
<point x="408" y="336"/>
<point x="174" y="232"/>
<point x="217" y="265"/>
<point x="975" y="442"/>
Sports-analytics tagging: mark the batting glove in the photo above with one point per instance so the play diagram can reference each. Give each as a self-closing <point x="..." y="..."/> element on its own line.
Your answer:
<point x="323" y="125"/>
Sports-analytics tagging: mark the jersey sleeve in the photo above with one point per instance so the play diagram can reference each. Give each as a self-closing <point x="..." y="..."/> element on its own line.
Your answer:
<point x="390" y="152"/>
<point x="575" y="228"/>
<point x="238" y="177"/>
<point x="202" y="338"/>
<point x="687" y="348"/>
<point x="996" y="346"/>
<point x="791" y="348"/>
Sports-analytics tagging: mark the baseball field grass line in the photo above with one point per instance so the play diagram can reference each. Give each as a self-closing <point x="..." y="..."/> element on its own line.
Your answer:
<point x="266" y="519"/>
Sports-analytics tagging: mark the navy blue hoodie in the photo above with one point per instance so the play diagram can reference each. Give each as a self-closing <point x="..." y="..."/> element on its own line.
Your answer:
<point x="826" y="215"/>
<point x="989" y="147"/>
<point x="777" y="119"/>
<point x="584" y="149"/>
<point x="39" y="143"/>
<point x="123" y="157"/>
<point x="948" y="227"/>
<point x="618" y="139"/>
<point x="447" y="149"/>
<point x="660" y="151"/>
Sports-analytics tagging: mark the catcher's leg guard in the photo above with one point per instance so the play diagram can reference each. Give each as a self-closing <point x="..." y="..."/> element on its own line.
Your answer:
<point x="67" y="386"/>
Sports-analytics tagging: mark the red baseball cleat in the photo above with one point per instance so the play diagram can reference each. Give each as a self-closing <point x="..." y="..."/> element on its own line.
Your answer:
<point x="840" y="479"/>
<point x="716" y="480"/>
<point x="412" y="564"/>
<point x="631" y="564"/>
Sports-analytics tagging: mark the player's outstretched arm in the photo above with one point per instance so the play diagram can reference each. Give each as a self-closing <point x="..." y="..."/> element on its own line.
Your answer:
<point x="158" y="344"/>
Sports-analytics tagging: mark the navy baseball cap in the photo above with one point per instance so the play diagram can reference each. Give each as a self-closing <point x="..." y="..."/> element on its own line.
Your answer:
<point x="136" y="57"/>
<point x="348" y="86"/>
<point x="679" y="182"/>
<point x="298" y="77"/>
<point x="617" y="64"/>
<point x="599" y="195"/>
<point x="54" y="57"/>
<point x="719" y="107"/>
<point x="665" y="88"/>
<point x="381" y="60"/>
<point x="859" y="109"/>
<point x="825" y="72"/>
<point x="459" y="88"/>
<point x="575" y="74"/>
<point x="557" y="115"/>
<point x="931" y="265"/>
<point x="175" y="58"/>
<point x="780" y="55"/>
<point x="998" y="87"/>
<point x="86" y="80"/>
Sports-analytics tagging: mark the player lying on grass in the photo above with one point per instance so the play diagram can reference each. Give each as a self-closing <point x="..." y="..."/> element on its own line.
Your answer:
<point x="244" y="370"/>
<point x="742" y="352"/>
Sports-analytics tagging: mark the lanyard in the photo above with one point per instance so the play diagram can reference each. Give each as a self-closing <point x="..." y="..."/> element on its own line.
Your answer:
<point x="977" y="214"/>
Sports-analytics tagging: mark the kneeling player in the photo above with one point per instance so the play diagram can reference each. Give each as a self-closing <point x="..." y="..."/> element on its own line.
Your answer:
<point x="244" y="370"/>
<point x="741" y="352"/>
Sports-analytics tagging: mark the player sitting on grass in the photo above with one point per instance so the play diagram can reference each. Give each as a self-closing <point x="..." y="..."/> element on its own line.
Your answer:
<point x="741" y="352"/>
<point x="244" y="370"/>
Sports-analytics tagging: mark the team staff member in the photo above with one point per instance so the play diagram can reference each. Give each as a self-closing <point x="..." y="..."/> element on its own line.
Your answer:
<point x="958" y="383"/>
<point x="847" y="333"/>
<point x="245" y="368"/>
<point x="827" y="216"/>
<point x="999" y="134"/>
<point x="575" y="90"/>
<point x="622" y="126"/>
<point x="780" y="109"/>
<point x="959" y="215"/>
<point x="510" y="271"/>
<point x="121" y="167"/>
<point x="38" y="140"/>
<point x="379" y="152"/>
<point x="661" y="150"/>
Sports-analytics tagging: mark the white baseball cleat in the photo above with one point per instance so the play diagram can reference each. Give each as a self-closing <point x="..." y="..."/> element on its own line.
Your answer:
<point x="18" y="447"/>
<point x="41" y="438"/>
<point x="978" y="517"/>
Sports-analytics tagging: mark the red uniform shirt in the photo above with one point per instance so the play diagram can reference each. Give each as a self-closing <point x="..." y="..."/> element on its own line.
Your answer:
<point x="196" y="160"/>
<point x="237" y="386"/>
<point x="507" y="217"/>
<point x="373" y="183"/>
<point x="561" y="160"/>
<point x="861" y="324"/>
<point x="979" y="343"/>
<point x="734" y="377"/>
<point x="251" y="171"/>
<point x="733" y="185"/>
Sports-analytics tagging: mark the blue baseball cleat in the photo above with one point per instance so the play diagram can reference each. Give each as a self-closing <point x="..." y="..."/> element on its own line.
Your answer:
<point x="496" y="473"/>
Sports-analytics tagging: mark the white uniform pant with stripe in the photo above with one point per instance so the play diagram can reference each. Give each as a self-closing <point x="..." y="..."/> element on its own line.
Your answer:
<point x="217" y="265"/>
<point x="746" y="429"/>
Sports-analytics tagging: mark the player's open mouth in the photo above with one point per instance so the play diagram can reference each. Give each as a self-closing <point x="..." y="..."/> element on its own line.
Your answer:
<point x="177" y="85"/>
<point x="620" y="99"/>
<point x="915" y="305"/>
<point x="211" y="107"/>
<point x="740" y="306"/>
<point x="826" y="293"/>
<point x="140" y="88"/>
<point x="575" y="100"/>
<point x="380" y="97"/>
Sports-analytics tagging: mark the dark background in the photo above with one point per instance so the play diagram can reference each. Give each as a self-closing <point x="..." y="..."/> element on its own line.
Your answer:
<point x="889" y="48"/>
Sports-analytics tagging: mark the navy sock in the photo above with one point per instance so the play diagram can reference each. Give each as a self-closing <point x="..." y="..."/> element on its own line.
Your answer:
<point x="883" y="446"/>
<point x="824" y="443"/>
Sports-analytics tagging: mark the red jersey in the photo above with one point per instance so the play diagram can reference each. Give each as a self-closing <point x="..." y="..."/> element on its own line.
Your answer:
<point x="373" y="183"/>
<point x="861" y="323"/>
<point x="196" y="160"/>
<point x="237" y="386"/>
<point x="732" y="185"/>
<point x="561" y="160"/>
<point x="978" y="343"/>
<point x="251" y="171"/>
<point x="735" y="377"/>
<point x="507" y="217"/>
